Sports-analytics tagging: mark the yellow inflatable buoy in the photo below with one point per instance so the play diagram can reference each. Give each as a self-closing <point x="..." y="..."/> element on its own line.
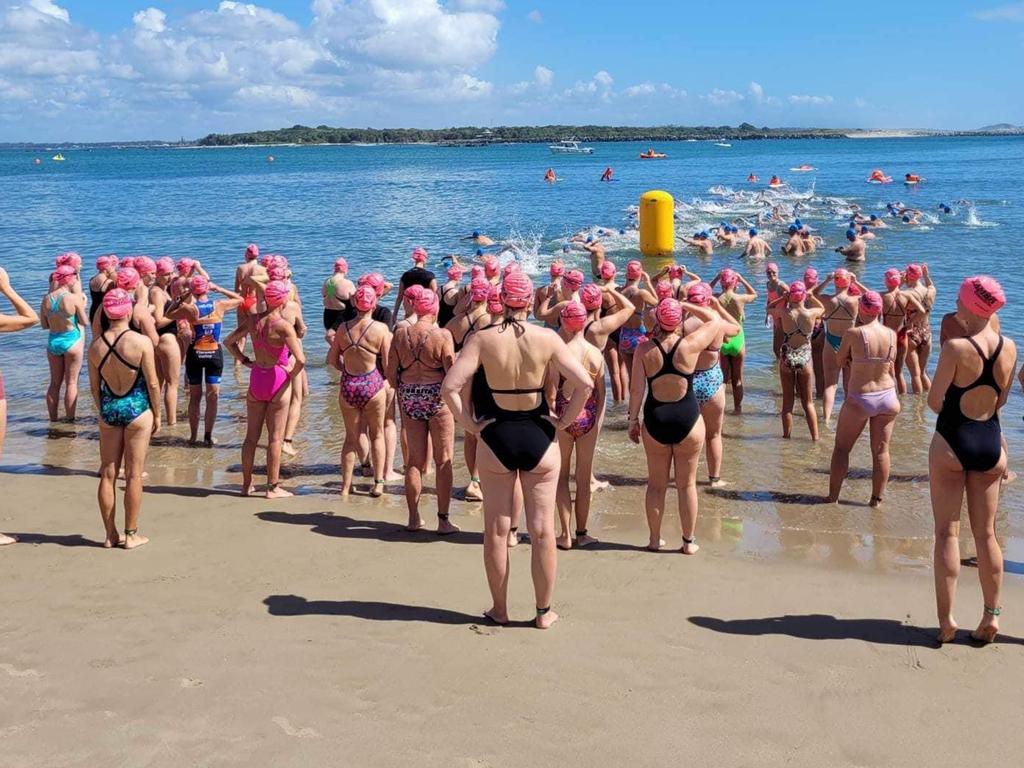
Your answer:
<point x="657" y="225"/>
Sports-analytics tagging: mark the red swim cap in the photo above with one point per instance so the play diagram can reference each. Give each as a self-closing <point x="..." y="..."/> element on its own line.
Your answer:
<point x="810" y="277"/>
<point x="375" y="280"/>
<point x="117" y="304"/>
<point x="477" y="270"/>
<point x="105" y="262"/>
<point x="455" y="272"/>
<point x="634" y="269"/>
<point x="771" y="266"/>
<point x="573" y="316"/>
<point x="893" y="278"/>
<point x="510" y="268"/>
<point x="365" y="298"/>
<point x="127" y="278"/>
<point x="128" y="261"/>
<point x="517" y="290"/>
<point x="842" y="278"/>
<point x="669" y="314"/>
<point x="675" y="272"/>
<point x="70" y="259"/>
<point x="277" y="271"/>
<point x="185" y="266"/>
<point x="982" y="295"/>
<point x="591" y="296"/>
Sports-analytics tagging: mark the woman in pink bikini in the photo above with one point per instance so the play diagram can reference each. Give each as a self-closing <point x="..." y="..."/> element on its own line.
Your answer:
<point x="360" y="354"/>
<point x="869" y="349"/>
<point x="270" y="381"/>
<point x="582" y="433"/>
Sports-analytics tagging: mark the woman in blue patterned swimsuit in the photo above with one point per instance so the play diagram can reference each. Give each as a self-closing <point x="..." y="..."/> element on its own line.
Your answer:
<point x="126" y="391"/>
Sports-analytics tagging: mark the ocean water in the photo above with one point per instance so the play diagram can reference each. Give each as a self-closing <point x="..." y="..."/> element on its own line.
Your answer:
<point x="374" y="204"/>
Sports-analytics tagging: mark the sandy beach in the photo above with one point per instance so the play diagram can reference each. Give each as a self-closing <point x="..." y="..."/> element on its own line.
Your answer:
<point x="274" y="634"/>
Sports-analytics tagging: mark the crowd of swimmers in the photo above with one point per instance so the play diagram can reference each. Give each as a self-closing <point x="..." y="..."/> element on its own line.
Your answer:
<point x="522" y="370"/>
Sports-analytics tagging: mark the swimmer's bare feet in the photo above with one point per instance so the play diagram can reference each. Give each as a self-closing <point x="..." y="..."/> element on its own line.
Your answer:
<point x="288" y="449"/>
<point x="583" y="540"/>
<point x="545" y="618"/>
<point x="378" y="489"/>
<point x="5" y="540"/>
<point x="473" y="492"/>
<point x="513" y="538"/>
<point x="876" y="502"/>
<point x="690" y="546"/>
<point x="501" y="619"/>
<point x="716" y="482"/>
<point x="248" y="490"/>
<point x="278" y="492"/>
<point x="415" y="524"/>
<point x="737" y="411"/>
<point x="655" y="546"/>
<point x="446" y="527"/>
<point x="947" y="631"/>
<point x="988" y="628"/>
<point x="564" y="542"/>
<point x="133" y="540"/>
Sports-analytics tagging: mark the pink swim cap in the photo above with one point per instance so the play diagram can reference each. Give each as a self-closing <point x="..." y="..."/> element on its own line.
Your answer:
<point x="426" y="303"/>
<point x="663" y="289"/>
<point x="982" y="295"/>
<point x="375" y="280"/>
<point x="70" y="259"/>
<point x="199" y="285"/>
<point x="145" y="265"/>
<point x="854" y="290"/>
<point x="491" y="267"/>
<point x="340" y="267"/>
<point x="252" y="252"/>
<point x="591" y="297"/>
<point x="771" y="266"/>
<point x="365" y="298"/>
<point x="265" y="259"/>
<point x="634" y="269"/>
<point x="810" y="277"/>
<point x="699" y="293"/>
<point x="573" y="316"/>
<point x="510" y="268"/>
<point x="185" y="266"/>
<point x="914" y="272"/>
<point x="412" y="293"/>
<point x="419" y="255"/>
<point x="127" y="278"/>
<point x="557" y="268"/>
<point x="64" y="275"/>
<point x="607" y="270"/>
<point x="893" y="278"/>
<point x="277" y="293"/>
<point x="277" y="271"/>
<point x="164" y="266"/>
<point x="479" y="289"/>
<point x="573" y="279"/>
<point x="455" y="272"/>
<point x="128" y="261"/>
<point x="797" y="291"/>
<point x="117" y="304"/>
<point x="675" y="272"/>
<point x="105" y="262"/>
<point x="871" y="304"/>
<point x="729" y="278"/>
<point x="494" y="303"/>
<point x="842" y="278"/>
<point x="517" y="290"/>
<point x="669" y="314"/>
<point x="477" y="270"/>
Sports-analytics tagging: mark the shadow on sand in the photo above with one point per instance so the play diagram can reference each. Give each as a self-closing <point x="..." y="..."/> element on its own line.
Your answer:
<point x="294" y="605"/>
<point x="820" y="626"/>
<point x="350" y="528"/>
<point x="61" y="540"/>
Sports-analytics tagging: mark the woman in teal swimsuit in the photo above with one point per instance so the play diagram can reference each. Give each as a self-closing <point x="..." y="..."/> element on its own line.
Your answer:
<point x="63" y="315"/>
<point x="126" y="391"/>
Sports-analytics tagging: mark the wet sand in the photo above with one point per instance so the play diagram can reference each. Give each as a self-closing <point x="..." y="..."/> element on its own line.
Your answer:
<point x="275" y="634"/>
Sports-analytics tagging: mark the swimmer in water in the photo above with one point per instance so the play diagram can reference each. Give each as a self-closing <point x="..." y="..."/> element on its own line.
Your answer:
<point x="794" y="244"/>
<point x="911" y="219"/>
<point x="856" y="249"/>
<point x="549" y="176"/>
<point x="607" y="175"/>
<point x="757" y="246"/>
<point x="866" y="233"/>
<point x="478" y="239"/>
<point x="972" y="382"/>
<point x="597" y="256"/>
<point x="869" y="350"/>
<point x="702" y="242"/>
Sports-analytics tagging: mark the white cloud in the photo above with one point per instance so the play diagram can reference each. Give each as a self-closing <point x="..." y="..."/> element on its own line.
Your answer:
<point x="487" y="6"/>
<point x="285" y="95"/>
<point x="543" y="76"/>
<point x="811" y="100"/>
<point x="723" y="98"/>
<point x="535" y="16"/>
<point x="1010" y="12"/>
<point x="150" y="20"/>
<point x="603" y="79"/>
<point x="661" y="90"/>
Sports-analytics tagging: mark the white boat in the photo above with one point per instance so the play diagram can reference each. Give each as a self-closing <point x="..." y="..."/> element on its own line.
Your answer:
<point x="569" y="147"/>
<point x="722" y="144"/>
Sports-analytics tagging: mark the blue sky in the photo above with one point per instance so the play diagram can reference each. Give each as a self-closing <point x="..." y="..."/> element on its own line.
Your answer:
<point x="115" y="70"/>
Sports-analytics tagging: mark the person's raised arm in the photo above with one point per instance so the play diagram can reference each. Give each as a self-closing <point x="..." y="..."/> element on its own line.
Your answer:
<point x="816" y="290"/>
<point x="25" y="316"/>
<point x="815" y="306"/>
<point x="705" y="333"/>
<point x="624" y="310"/>
<point x="749" y="294"/>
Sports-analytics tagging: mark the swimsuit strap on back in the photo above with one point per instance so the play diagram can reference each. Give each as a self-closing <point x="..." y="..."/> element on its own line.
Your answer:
<point x="987" y="377"/>
<point x="358" y="342"/>
<point x="112" y="350"/>
<point x="668" y="366"/>
<point x="866" y="358"/>
<point x="839" y="305"/>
